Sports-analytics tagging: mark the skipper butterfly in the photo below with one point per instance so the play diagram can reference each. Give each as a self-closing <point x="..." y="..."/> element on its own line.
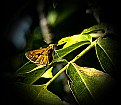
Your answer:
<point x="42" y="56"/>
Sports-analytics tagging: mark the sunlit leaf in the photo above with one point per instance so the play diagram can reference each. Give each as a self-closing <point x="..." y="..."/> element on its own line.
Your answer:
<point x="63" y="40"/>
<point x="48" y="73"/>
<point x="74" y="39"/>
<point x="107" y="54"/>
<point x="37" y="95"/>
<point x="88" y="85"/>
<point x="64" y="51"/>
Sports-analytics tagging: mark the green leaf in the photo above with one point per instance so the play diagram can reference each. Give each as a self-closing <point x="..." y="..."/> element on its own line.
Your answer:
<point x="107" y="54"/>
<point x="25" y="68"/>
<point x="48" y="73"/>
<point x="74" y="39"/>
<point x="37" y="94"/>
<point x="26" y="75"/>
<point x="32" y="77"/>
<point x="95" y="28"/>
<point x="64" y="51"/>
<point x="63" y="40"/>
<point x="28" y="68"/>
<point x="88" y="85"/>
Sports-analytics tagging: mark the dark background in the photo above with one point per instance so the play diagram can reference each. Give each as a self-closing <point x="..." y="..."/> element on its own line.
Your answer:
<point x="12" y="11"/>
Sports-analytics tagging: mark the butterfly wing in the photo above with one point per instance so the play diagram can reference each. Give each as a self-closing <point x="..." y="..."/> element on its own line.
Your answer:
<point x="42" y="56"/>
<point x="36" y="56"/>
<point x="42" y="60"/>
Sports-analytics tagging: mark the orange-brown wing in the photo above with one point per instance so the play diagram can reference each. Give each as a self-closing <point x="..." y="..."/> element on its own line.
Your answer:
<point x="42" y="60"/>
<point x="41" y="56"/>
<point x="36" y="56"/>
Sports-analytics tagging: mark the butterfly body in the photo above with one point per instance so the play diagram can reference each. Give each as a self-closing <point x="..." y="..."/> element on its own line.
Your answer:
<point x="42" y="56"/>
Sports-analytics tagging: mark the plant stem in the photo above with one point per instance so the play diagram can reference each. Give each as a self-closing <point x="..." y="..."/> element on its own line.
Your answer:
<point x="72" y="61"/>
<point x="84" y="51"/>
<point x="62" y="70"/>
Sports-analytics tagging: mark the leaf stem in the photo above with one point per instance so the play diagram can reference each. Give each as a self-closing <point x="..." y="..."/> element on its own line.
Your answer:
<point x="84" y="51"/>
<point x="77" y="57"/>
<point x="61" y="71"/>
